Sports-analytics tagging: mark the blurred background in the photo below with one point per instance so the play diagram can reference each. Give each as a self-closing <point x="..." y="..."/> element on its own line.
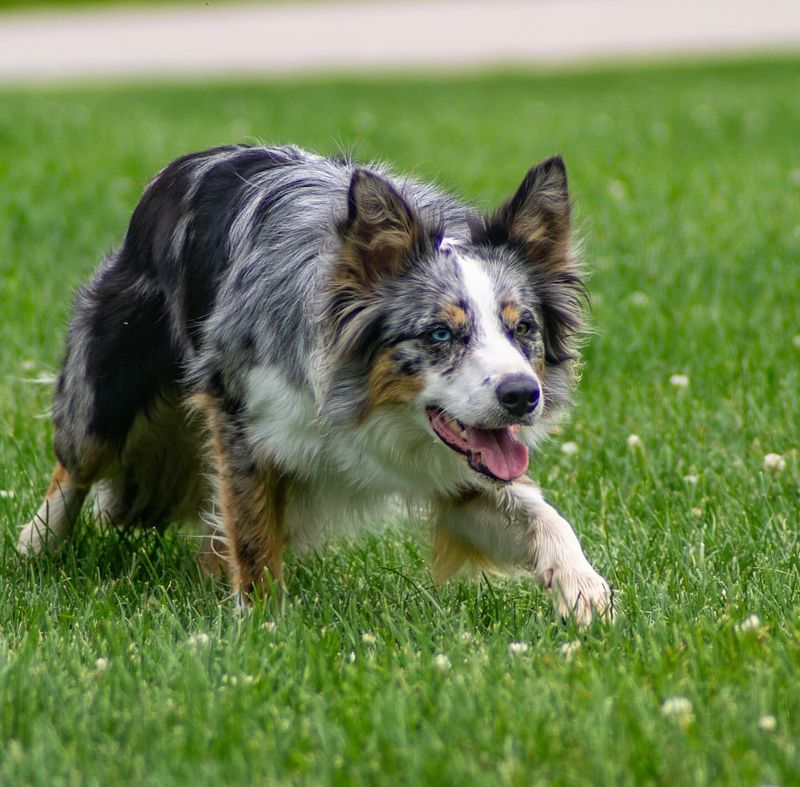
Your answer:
<point x="60" y="39"/>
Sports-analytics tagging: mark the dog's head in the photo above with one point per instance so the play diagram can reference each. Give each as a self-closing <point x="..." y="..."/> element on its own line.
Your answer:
<point x="476" y="338"/>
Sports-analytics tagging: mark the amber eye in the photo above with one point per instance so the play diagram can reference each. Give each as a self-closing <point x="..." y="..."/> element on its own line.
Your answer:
<point x="523" y="328"/>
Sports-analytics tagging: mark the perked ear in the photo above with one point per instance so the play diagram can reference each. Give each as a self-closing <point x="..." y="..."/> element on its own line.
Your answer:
<point x="381" y="230"/>
<point x="537" y="220"/>
<point x="537" y="217"/>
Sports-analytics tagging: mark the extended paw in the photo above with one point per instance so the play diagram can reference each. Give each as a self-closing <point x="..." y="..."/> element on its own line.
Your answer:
<point x="581" y="594"/>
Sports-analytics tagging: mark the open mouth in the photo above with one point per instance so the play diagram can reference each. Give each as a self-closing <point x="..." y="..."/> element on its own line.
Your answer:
<point x="496" y="453"/>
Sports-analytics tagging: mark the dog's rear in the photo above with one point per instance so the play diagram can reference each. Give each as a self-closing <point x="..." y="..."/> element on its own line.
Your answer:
<point x="119" y="411"/>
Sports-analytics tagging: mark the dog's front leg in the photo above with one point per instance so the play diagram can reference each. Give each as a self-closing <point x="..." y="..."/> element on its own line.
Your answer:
<point x="514" y="528"/>
<point x="252" y="501"/>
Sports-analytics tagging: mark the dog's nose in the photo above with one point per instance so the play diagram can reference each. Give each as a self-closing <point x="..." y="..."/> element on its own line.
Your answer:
<point x="518" y="393"/>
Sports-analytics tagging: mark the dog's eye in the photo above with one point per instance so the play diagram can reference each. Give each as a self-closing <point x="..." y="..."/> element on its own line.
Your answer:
<point x="523" y="328"/>
<point x="441" y="334"/>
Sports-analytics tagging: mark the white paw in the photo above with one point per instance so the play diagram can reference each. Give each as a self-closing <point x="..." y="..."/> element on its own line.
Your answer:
<point x="581" y="594"/>
<point x="34" y="538"/>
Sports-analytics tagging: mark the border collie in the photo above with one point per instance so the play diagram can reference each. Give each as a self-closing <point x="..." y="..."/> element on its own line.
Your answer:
<point x="325" y="338"/>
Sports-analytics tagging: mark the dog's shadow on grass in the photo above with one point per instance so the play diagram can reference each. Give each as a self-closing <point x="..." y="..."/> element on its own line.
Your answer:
<point x="372" y="583"/>
<point x="385" y="582"/>
<point x="99" y="555"/>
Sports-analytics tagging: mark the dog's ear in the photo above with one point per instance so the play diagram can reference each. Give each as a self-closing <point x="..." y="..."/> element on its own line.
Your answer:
<point x="536" y="220"/>
<point x="537" y="217"/>
<point x="381" y="230"/>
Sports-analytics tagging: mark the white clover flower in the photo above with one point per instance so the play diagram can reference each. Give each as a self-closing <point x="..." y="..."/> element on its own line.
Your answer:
<point x="634" y="442"/>
<point x="691" y="479"/>
<point x="441" y="662"/>
<point x="247" y="680"/>
<point x="101" y="664"/>
<point x="199" y="640"/>
<point x="569" y="448"/>
<point x="466" y="636"/>
<point x="7" y="493"/>
<point x="698" y="512"/>
<point x="268" y="625"/>
<point x="774" y="462"/>
<point x="639" y="298"/>
<point x="368" y="638"/>
<point x="677" y="707"/>
<point x="616" y="190"/>
<point x="569" y="649"/>
<point x="750" y="623"/>
<point x="767" y="723"/>
<point x="518" y="648"/>
<point x="679" y="381"/>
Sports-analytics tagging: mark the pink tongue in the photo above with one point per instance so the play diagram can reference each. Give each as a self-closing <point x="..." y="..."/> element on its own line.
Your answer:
<point x="504" y="456"/>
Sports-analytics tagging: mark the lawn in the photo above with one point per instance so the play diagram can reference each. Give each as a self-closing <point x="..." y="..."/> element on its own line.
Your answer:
<point x="119" y="664"/>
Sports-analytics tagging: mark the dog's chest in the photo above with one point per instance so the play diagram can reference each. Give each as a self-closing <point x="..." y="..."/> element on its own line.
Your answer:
<point x="390" y="454"/>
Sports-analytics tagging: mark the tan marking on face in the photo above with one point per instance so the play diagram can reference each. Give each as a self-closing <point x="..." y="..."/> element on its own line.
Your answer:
<point x="455" y="316"/>
<point x="388" y="386"/>
<point x="510" y="314"/>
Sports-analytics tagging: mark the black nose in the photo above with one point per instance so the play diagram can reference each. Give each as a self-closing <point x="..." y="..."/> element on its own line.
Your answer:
<point x="518" y="393"/>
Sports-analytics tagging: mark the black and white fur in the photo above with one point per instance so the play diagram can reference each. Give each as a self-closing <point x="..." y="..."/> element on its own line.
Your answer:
<point x="325" y="338"/>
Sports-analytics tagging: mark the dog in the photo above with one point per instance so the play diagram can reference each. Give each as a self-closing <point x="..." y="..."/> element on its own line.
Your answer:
<point x="326" y="338"/>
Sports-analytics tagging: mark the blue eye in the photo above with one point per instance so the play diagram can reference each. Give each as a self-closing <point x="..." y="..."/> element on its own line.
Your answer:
<point x="441" y="334"/>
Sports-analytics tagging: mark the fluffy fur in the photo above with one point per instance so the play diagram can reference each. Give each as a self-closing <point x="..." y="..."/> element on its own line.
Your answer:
<point x="325" y="337"/>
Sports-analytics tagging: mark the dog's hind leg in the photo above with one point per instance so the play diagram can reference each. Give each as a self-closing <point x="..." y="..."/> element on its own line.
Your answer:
<point x="119" y="360"/>
<point x="52" y="523"/>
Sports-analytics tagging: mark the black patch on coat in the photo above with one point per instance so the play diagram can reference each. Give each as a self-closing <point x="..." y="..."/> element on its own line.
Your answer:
<point x="206" y="254"/>
<point x="130" y="357"/>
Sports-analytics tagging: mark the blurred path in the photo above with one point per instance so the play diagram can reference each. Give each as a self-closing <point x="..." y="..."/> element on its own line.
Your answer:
<point x="203" y="39"/>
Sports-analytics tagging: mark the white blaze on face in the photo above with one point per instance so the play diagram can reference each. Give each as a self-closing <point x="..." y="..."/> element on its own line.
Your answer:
<point x="469" y="393"/>
<point x="494" y="355"/>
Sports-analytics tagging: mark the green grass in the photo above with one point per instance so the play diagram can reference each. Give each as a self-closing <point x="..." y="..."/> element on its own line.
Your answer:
<point x="687" y="181"/>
